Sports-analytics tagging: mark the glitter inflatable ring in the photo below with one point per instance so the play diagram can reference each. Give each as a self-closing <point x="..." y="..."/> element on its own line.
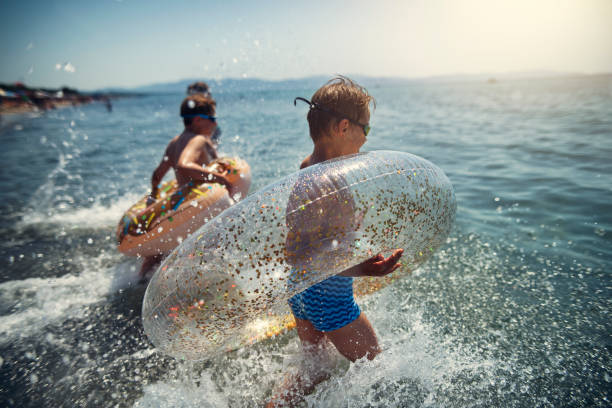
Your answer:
<point x="227" y="285"/>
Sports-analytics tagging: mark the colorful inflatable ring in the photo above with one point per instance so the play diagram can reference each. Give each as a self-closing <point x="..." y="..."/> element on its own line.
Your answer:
<point x="178" y="211"/>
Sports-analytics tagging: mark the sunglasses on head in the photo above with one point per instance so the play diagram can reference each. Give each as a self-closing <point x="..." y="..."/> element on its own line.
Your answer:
<point x="201" y="115"/>
<point x="313" y="105"/>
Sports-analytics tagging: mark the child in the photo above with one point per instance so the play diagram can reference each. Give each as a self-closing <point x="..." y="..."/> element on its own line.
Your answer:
<point x="188" y="153"/>
<point x="202" y="88"/>
<point x="326" y="312"/>
<point x="198" y="88"/>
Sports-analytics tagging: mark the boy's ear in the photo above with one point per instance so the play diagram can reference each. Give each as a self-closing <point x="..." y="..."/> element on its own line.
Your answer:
<point x="343" y="125"/>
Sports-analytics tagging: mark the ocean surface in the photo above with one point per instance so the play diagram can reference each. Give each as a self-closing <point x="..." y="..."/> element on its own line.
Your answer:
<point x="514" y="311"/>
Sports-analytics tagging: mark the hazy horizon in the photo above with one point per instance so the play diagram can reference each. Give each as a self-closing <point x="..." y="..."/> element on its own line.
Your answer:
<point x="504" y="76"/>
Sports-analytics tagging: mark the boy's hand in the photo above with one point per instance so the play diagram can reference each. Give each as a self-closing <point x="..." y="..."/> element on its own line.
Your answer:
<point x="221" y="179"/>
<point x="150" y="200"/>
<point x="376" y="266"/>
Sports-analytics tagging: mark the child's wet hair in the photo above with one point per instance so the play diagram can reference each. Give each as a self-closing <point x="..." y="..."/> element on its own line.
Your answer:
<point x="340" y="95"/>
<point x="198" y="88"/>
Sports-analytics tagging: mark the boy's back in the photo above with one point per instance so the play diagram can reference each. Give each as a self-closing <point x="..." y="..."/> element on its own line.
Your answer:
<point x="188" y="154"/>
<point x="193" y="149"/>
<point x="189" y="147"/>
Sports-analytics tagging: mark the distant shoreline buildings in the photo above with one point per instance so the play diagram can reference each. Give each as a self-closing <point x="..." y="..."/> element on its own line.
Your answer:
<point x="19" y="98"/>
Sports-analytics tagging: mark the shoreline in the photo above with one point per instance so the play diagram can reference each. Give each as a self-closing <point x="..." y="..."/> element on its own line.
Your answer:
<point x="29" y="107"/>
<point x="19" y="99"/>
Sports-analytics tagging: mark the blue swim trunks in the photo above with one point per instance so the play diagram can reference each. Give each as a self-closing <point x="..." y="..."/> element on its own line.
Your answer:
<point x="328" y="305"/>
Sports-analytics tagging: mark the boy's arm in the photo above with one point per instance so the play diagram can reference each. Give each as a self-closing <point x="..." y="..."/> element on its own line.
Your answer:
<point x="158" y="175"/>
<point x="188" y="163"/>
<point x="376" y="266"/>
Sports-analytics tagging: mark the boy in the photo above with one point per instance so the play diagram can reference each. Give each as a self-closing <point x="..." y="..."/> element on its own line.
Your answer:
<point x="198" y="88"/>
<point x="326" y="312"/>
<point x="188" y="153"/>
<point x="202" y="88"/>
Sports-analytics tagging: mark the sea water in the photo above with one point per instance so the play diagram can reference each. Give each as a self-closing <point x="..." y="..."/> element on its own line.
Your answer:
<point x="514" y="311"/>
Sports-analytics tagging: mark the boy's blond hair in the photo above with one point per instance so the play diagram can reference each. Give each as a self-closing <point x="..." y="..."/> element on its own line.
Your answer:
<point x="339" y="98"/>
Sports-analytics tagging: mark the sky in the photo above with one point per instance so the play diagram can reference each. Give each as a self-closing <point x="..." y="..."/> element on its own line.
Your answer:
<point x="128" y="43"/>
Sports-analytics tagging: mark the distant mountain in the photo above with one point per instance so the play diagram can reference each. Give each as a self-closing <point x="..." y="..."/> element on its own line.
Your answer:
<point x="231" y="85"/>
<point x="254" y="84"/>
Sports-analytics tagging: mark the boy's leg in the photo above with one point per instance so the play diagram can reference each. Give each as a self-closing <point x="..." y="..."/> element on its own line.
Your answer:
<point x="149" y="263"/>
<point x="308" y="334"/>
<point x="297" y="384"/>
<point x="356" y="340"/>
<point x="314" y="347"/>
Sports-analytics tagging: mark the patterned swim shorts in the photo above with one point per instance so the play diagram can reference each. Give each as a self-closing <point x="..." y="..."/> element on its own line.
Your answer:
<point x="328" y="305"/>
